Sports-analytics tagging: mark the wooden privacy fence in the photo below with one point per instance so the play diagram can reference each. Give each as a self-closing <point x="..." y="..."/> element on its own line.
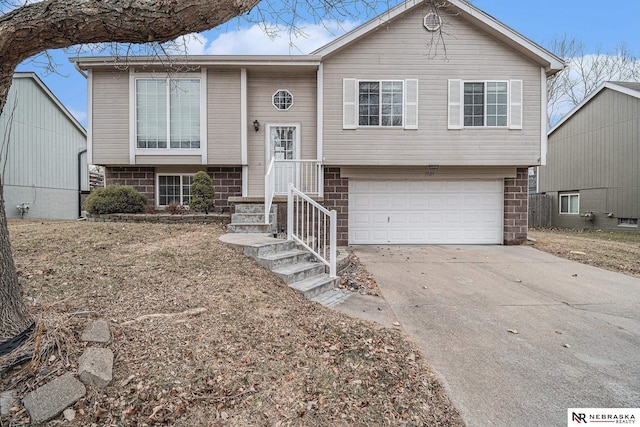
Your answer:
<point x="539" y="210"/>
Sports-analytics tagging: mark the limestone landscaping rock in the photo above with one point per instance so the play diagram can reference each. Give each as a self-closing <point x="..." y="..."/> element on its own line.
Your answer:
<point x="7" y="400"/>
<point x="97" y="331"/>
<point x="52" y="398"/>
<point x="95" y="366"/>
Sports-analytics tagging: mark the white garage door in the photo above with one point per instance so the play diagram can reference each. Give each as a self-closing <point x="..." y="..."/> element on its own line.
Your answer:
<point x="425" y="212"/>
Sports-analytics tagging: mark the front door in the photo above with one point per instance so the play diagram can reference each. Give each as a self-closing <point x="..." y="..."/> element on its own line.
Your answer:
<point x="283" y="147"/>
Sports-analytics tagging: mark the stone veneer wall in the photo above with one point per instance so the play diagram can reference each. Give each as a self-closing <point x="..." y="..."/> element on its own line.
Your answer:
<point x="141" y="178"/>
<point x="227" y="182"/>
<point x="336" y="196"/>
<point x="516" y="200"/>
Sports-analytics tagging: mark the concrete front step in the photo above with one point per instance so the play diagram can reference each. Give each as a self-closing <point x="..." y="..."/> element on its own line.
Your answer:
<point x="297" y="272"/>
<point x="332" y="297"/>
<point x="256" y="227"/>
<point x="263" y="249"/>
<point x="250" y="218"/>
<point x="315" y="285"/>
<point x="253" y="208"/>
<point x="280" y="259"/>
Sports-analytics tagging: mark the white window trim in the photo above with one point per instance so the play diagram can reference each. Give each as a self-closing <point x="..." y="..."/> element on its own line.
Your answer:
<point x="157" y="186"/>
<point x="133" y="147"/>
<point x="628" y="225"/>
<point x="560" y="196"/>
<point x="404" y="103"/>
<point x="460" y="104"/>
<point x="484" y="82"/>
<point x="274" y="95"/>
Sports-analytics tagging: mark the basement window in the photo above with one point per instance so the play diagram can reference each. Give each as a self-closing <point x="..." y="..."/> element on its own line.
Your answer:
<point x="570" y="203"/>
<point x="628" y="222"/>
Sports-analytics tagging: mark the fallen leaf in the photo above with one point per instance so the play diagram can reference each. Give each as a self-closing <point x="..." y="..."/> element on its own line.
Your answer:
<point x="513" y="331"/>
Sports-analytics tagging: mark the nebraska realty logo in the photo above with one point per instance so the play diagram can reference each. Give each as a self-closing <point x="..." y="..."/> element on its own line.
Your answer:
<point x="581" y="416"/>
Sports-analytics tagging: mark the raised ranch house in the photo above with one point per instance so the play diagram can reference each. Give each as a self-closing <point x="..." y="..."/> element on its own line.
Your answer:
<point x="407" y="144"/>
<point x="593" y="173"/>
<point x="44" y="148"/>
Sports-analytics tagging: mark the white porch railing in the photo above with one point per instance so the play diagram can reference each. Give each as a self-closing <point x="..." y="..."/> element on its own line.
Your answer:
<point x="312" y="226"/>
<point x="305" y="175"/>
<point x="269" y="190"/>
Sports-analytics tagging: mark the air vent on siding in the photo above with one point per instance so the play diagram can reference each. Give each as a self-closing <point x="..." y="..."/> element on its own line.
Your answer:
<point x="432" y="21"/>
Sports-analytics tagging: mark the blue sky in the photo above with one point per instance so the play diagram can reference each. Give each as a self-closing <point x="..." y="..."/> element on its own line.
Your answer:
<point x="595" y="24"/>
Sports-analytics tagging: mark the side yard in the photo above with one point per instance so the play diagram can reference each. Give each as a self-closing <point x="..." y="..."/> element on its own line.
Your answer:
<point x="615" y="251"/>
<point x="257" y="354"/>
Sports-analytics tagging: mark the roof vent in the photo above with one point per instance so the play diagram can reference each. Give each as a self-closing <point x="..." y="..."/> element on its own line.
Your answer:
<point x="432" y="21"/>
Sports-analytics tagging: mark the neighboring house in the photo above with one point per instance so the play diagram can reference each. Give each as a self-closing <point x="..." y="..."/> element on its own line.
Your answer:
<point x="593" y="168"/>
<point x="409" y="146"/>
<point x="45" y="151"/>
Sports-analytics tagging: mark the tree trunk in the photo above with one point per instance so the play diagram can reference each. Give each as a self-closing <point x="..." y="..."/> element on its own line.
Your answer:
<point x="14" y="316"/>
<point x="36" y="27"/>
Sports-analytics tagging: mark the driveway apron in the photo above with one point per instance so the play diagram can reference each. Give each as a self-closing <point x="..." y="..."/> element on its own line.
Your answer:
<point x="517" y="336"/>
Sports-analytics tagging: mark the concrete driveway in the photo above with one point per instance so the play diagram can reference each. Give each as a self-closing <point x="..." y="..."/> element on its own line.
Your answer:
<point x="516" y="335"/>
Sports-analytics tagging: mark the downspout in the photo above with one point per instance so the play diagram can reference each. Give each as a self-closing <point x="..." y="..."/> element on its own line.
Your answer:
<point x="80" y="182"/>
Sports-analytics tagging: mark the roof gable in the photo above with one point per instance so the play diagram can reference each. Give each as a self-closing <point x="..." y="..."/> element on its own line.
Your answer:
<point x="551" y="63"/>
<point x="34" y="77"/>
<point x="627" y="88"/>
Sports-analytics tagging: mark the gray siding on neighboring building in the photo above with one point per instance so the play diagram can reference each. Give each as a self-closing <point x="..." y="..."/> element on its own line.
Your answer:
<point x="400" y="50"/>
<point x="43" y="153"/>
<point x="596" y="152"/>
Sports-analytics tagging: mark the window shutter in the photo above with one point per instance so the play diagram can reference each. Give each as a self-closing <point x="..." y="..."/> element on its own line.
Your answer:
<point x="455" y="104"/>
<point x="515" y="104"/>
<point x="349" y="104"/>
<point x="411" y="104"/>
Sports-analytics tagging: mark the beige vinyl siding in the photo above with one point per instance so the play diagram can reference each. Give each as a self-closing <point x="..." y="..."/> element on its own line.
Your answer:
<point x="260" y="89"/>
<point x="168" y="160"/>
<point x="400" y="50"/>
<point x="110" y="117"/>
<point x="598" y="148"/>
<point x="223" y="117"/>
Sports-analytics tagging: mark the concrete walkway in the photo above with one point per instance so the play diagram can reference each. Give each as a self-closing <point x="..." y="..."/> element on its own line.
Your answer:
<point x="516" y="335"/>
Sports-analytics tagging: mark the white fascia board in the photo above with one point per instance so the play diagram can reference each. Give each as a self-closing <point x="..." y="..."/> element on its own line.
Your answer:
<point x="200" y="60"/>
<point x="606" y="85"/>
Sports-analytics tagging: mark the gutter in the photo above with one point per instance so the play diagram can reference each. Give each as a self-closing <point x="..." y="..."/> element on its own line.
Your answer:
<point x="80" y="182"/>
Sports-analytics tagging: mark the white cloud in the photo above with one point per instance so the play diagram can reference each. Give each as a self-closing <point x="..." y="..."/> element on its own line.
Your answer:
<point x="80" y="116"/>
<point x="254" y="40"/>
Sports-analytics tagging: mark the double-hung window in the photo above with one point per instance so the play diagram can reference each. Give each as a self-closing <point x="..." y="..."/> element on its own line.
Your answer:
<point x="380" y="103"/>
<point x="494" y="103"/>
<point x="167" y="113"/>
<point x="570" y="203"/>
<point x="174" y="189"/>
<point x="371" y="103"/>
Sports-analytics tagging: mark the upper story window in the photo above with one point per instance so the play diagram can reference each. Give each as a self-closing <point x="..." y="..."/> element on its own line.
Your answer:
<point x="485" y="104"/>
<point x="167" y="113"/>
<point x="380" y="103"/>
<point x="282" y="100"/>
<point x="570" y="203"/>
<point x="495" y="103"/>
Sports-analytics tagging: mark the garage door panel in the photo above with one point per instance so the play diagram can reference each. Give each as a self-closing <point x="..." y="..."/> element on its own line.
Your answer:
<point x="430" y="212"/>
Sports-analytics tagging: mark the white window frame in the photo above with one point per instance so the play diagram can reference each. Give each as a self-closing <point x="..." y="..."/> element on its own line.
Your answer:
<point x="380" y="81"/>
<point x="456" y="104"/>
<point x="569" y="195"/>
<point x="484" y="103"/>
<point x="628" y="222"/>
<point x="134" y="150"/>
<point x="181" y="175"/>
<point x="273" y="99"/>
